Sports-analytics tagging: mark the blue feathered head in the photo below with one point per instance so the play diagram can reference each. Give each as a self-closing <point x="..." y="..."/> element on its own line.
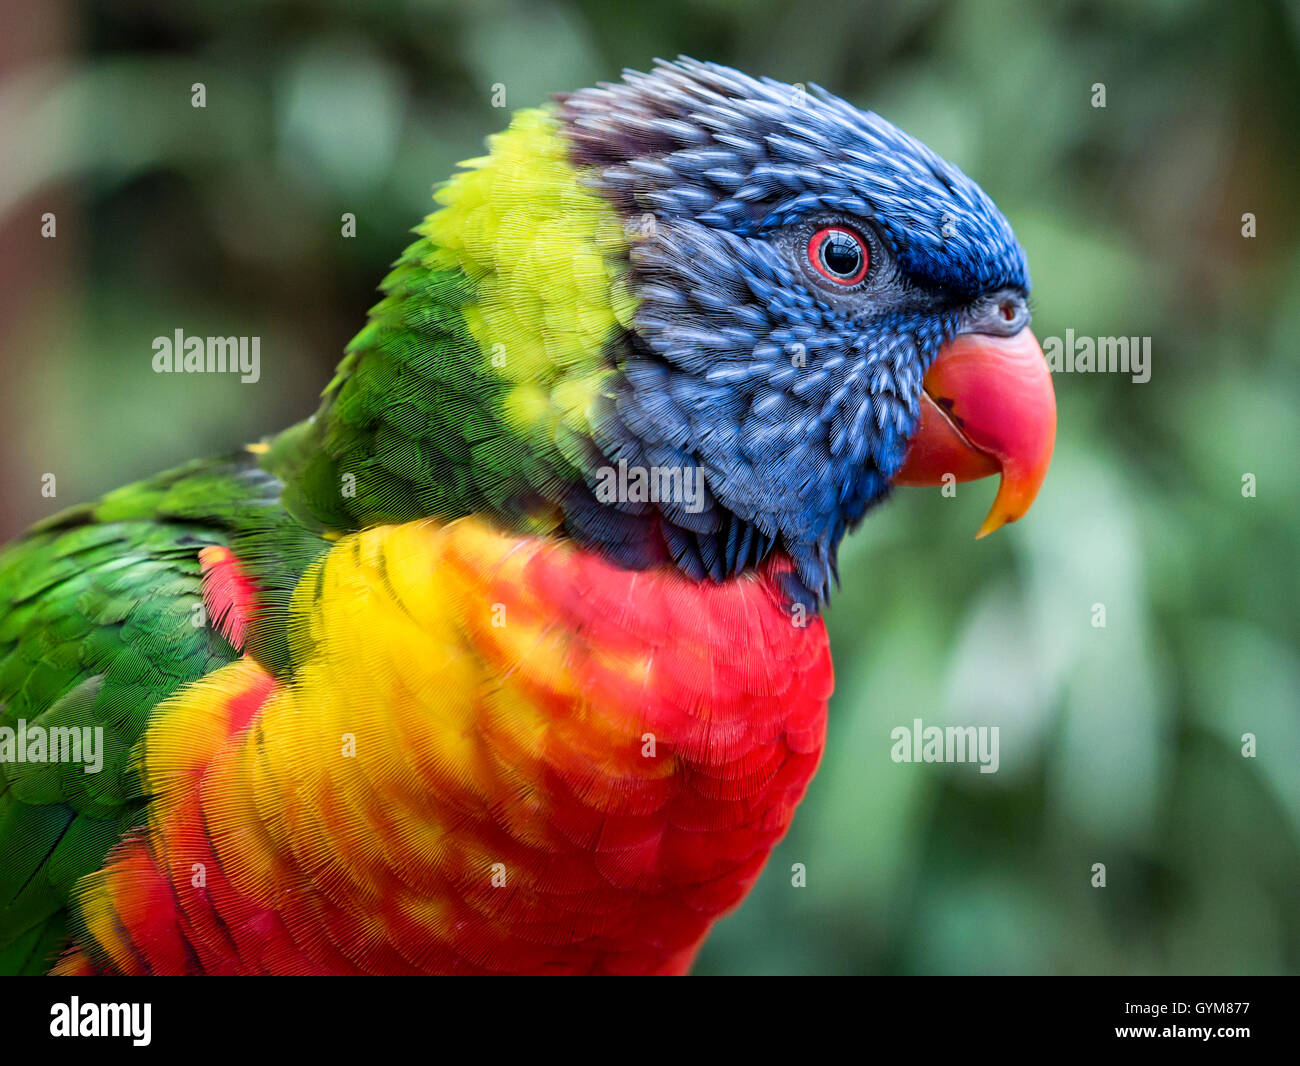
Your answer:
<point x="799" y="264"/>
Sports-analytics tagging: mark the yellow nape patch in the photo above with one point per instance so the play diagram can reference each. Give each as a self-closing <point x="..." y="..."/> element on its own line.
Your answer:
<point x="547" y="257"/>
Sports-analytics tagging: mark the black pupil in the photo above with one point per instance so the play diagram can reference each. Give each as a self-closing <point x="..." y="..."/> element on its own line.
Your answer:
<point x="841" y="254"/>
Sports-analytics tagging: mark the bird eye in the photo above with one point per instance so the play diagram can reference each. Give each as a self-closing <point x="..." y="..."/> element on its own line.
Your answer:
<point x="839" y="254"/>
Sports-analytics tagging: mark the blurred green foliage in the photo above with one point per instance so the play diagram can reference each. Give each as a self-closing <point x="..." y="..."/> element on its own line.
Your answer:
<point x="1119" y="745"/>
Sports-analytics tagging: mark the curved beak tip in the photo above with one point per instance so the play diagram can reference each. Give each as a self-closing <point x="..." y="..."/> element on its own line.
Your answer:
<point x="988" y="407"/>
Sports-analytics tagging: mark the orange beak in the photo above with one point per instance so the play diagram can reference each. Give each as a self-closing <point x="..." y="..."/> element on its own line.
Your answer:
<point x="988" y="407"/>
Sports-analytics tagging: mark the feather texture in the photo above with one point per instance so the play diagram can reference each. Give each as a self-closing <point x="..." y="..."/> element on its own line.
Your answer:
<point x="497" y="754"/>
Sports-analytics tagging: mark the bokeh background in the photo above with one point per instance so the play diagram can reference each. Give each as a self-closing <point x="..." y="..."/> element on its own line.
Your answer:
<point x="1120" y="745"/>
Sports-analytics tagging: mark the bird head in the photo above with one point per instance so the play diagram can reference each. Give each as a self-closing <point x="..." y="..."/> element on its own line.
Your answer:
<point x="825" y="307"/>
<point x="710" y="281"/>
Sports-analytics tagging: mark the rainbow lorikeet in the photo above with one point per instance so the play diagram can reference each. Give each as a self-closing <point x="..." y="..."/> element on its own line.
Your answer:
<point x="510" y="658"/>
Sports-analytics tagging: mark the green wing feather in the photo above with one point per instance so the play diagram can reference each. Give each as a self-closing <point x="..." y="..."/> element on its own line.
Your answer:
<point x="97" y="625"/>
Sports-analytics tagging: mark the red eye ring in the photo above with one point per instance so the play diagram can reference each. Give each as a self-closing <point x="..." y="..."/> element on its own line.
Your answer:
<point x="839" y="254"/>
